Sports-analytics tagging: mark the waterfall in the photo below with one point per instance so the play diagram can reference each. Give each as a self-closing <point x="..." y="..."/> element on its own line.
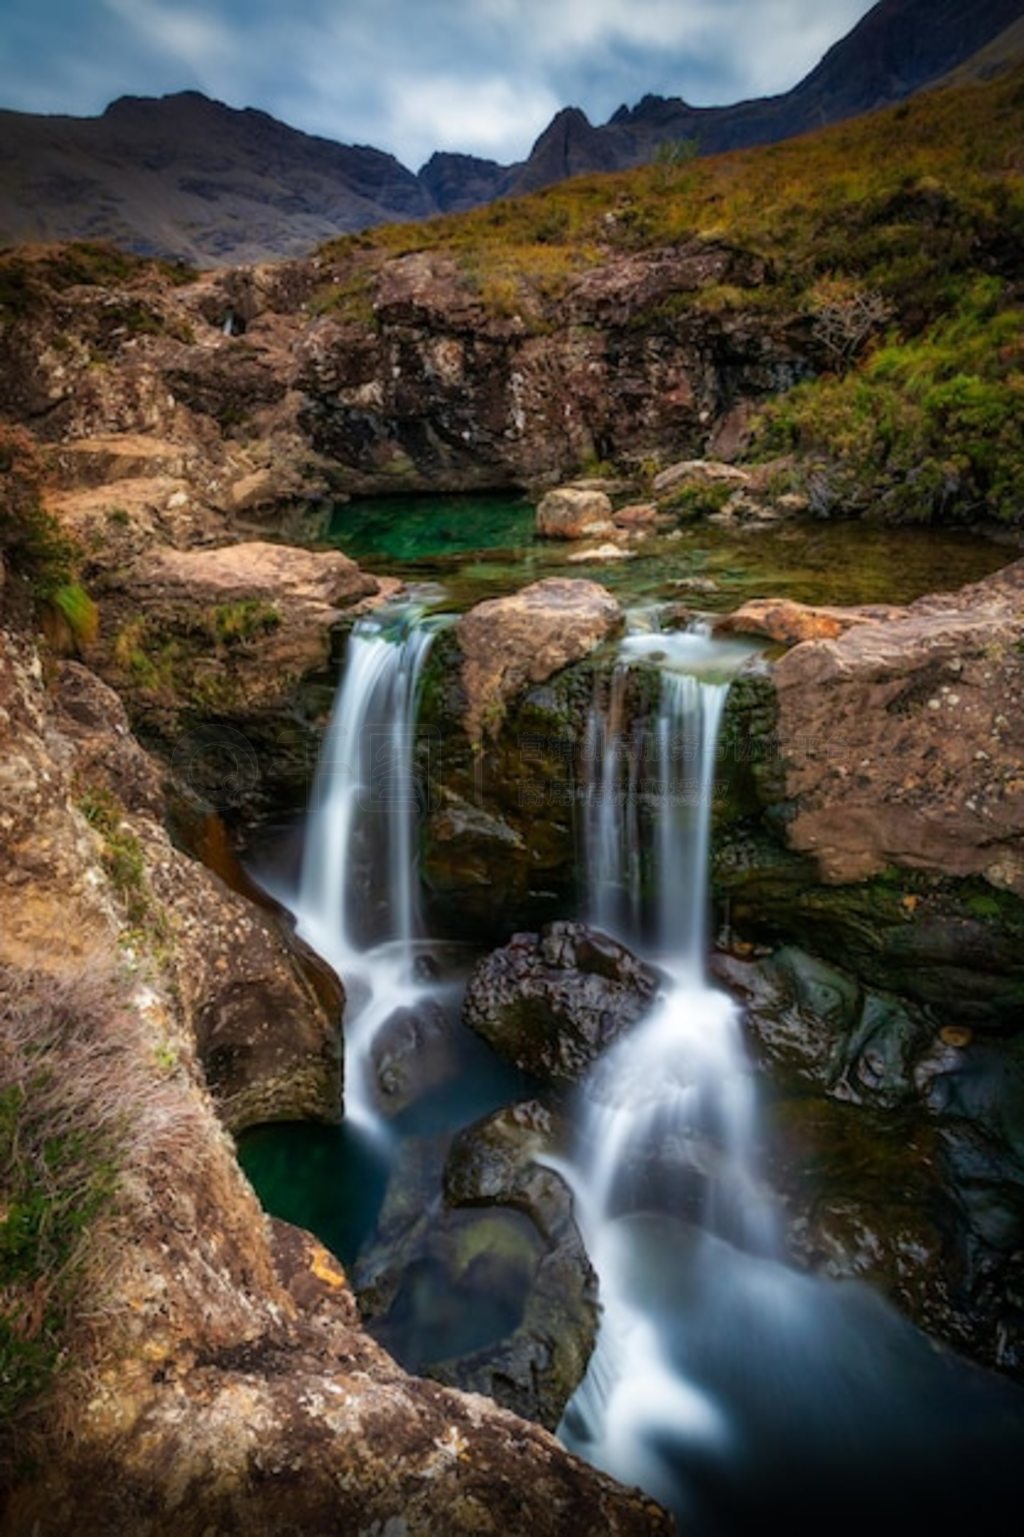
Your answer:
<point x="667" y="1117"/>
<point x="363" y="821"/>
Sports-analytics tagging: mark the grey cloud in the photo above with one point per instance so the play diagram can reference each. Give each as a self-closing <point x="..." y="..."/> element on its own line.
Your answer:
<point x="483" y="76"/>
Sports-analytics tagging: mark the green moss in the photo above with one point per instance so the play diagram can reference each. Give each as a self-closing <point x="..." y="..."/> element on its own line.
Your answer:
<point x="78" y="611"/>
<point x="231" y="623"/>
<point x="694" y="502"/>
<point x="123" y="856"/>
<point x="929" y="428"/>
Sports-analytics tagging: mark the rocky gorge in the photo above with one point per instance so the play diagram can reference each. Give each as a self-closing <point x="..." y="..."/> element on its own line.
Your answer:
<point x="173" y="626"/>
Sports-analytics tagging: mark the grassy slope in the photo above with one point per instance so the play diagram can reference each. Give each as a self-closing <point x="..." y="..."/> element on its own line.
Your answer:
<point x="920" y="207"/>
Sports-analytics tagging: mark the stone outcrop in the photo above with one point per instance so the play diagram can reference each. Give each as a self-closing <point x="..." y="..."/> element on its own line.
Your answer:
<point x="265" y="1013"/>
<point x="212" y="649"/>
<point x="902" y="740"/>
<point x="509" y="643"/>
<point x="551" y="1003"/>
<point x="920" y="1188"/>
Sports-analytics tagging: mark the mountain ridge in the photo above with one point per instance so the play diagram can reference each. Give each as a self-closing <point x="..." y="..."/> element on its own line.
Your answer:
<point x="191" y="178"/>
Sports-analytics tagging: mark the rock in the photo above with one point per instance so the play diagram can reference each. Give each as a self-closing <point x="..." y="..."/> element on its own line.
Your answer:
<point x="412" y="1053"/>
<point x="264" y="1013"/>
<point x="213" y="651"/>
<point x="902" y="739"/>
<point x="494" y="1292"/>
<point x="641" y="515"/>
<point x="551" y="1003"/>
<point x="815" y="1022"/>
<point x="231" y="1387"/>
<point x="864" y="1202"/>
<point x="508" y="643"/>
<point x="602" y="552"/>
<point x="316" y="580"/>
<point x="570" y="513"/>
<point x="106" y="459"/>
<point x="699" y="473"/>
<point x="789" y="623"/>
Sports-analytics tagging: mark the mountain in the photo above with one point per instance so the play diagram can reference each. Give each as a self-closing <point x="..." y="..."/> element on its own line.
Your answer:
<point x="187" y="177"/>
<point x="896" y="49"/>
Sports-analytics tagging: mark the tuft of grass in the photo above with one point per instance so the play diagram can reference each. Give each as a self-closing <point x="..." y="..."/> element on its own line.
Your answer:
<point x="78" y="611"/>
<point x="62" y="1134"/>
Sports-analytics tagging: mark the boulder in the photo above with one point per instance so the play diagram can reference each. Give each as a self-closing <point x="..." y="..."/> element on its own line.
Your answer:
<point x="552" y="1002"/>
<point x="412" y="1052"/>
<point x="814" y="1022"/>
<point x="903" y="738"/>
<point x="233" y="573"/>
<point x="509" y="643"/>
<point x="572" y="513"/>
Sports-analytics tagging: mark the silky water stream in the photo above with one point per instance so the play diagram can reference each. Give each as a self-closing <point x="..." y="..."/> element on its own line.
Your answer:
<point x="730" y="1386"/>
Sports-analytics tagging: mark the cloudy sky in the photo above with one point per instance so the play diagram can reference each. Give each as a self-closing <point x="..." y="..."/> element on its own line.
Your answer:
<point x="411" y="76"/>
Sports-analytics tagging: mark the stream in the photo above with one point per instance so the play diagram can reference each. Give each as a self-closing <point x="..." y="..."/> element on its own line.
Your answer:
<point x="726" y="1383"/>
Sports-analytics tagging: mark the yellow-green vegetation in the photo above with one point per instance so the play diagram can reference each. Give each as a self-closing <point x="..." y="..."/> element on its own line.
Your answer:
<point x="122" y="857"/>
<point x="27" y="275"/>
<point x="35" y="549"/>
<point x="927" y="427"/>
<point x="31" y="541"/>
<point x="186" y="659"/>
<point x="78" y="611"/>
<point x="60" y="1140"/>
<point x="893" y="240"/>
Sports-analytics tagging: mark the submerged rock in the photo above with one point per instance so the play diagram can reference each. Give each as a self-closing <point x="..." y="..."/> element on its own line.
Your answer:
<point x="552" y="1002"/>
<point x="492" y="1291"/>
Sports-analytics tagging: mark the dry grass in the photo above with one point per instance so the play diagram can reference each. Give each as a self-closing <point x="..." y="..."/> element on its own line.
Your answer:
<point x="84" y="1110"/>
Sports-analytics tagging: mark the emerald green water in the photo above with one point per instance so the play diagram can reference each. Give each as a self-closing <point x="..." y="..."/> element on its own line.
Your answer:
<point x="483" y="546"/>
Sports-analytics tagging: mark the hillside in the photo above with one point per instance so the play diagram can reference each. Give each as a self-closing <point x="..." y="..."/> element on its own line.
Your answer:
<point x="192" y="179"/>
<point x="189" y="178"/>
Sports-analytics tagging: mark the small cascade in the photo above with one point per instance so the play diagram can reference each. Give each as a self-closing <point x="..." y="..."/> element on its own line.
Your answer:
<point x="667" y="1117"/>
<point x="363" y="821"/>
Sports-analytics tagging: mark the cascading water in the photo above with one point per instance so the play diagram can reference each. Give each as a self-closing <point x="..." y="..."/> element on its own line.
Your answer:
<point x="363" y="822"/>
<point x="669" y="1111"/>
<point x="726" y="1384"/>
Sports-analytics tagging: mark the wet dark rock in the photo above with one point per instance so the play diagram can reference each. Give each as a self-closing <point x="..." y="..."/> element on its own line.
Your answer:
<point x="491" y="1291"/>
<point x="552" y="1002"/>
<point x="413" y="1052"/>
<point x="814" y="1021"/>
